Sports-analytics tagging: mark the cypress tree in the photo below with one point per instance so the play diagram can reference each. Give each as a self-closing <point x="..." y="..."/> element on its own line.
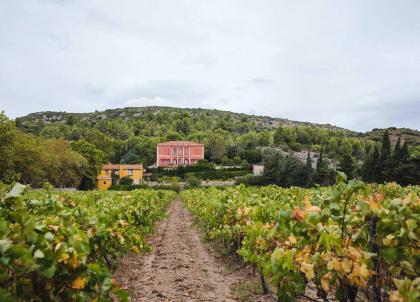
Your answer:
<point x="385" y="164"/>
<point x="376" y="165"/>
<point x="397" y="149"/>
<point x="309" y="168"/>
<point x="321" y="169"/>
<point x="404" y="154"/>
<point x="347" y="165"/>
<point x="394" y="162"/>
<point x="386" y="147"/>
<point x="367" y="168"/>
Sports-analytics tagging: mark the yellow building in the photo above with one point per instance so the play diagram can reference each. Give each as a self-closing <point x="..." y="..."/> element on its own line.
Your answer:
<point x="135" y="171"/>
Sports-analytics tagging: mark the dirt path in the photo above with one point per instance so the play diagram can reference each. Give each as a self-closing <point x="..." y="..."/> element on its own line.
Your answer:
<point x="178" y="269"/>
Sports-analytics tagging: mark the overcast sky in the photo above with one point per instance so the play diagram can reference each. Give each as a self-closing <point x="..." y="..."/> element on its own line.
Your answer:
<point x="355" y="64"/>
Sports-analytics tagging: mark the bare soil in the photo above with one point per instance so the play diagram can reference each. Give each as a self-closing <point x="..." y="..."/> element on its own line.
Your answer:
<point x="180" y="266"/>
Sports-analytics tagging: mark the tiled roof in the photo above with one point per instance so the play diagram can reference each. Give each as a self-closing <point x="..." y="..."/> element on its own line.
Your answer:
<point x="180" y="143"/>
<point x="123" y="166"/>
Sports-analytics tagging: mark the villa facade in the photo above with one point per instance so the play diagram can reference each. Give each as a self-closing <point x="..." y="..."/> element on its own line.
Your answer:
<point x="178" y="153"/>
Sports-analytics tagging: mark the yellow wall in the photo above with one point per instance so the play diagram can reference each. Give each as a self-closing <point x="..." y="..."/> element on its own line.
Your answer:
<point x="105" y="181"/>
<point x="104" y="184"/>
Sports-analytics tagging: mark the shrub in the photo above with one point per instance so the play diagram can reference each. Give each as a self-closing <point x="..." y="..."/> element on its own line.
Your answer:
<point x="193" y="181"/>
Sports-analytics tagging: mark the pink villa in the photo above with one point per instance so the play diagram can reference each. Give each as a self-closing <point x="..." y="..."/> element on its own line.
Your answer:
<point x="177" y="153"/>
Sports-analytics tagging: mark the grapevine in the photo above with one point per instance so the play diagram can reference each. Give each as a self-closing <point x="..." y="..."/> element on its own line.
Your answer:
<point x="345" y="241"/>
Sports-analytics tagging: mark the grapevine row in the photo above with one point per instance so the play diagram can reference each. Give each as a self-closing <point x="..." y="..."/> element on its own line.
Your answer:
<point x="63" y="246"/>
<point x="342" y="242"/>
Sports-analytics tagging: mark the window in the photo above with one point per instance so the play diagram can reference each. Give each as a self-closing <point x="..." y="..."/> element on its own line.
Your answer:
<point x="186" y="161"/>
<point x="116" y="172"/>
<point x="173" y="151"/>
<point x="104" y="182"/>
<point x="130" y="172"/>
<point x="174" y="161"/>
<point x="106" y="171"/>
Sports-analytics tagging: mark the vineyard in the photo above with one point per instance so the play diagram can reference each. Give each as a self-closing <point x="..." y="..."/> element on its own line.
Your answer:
<point x="346" y="242"/>
<point x="63" y="246"/>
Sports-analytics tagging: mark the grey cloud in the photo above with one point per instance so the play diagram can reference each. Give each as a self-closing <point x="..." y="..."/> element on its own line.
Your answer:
<point x="262" y="81"/>
<point x="174" y="91"/>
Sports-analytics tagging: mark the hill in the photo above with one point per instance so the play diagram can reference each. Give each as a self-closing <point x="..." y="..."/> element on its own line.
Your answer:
<point x="227" y="135"/>
<point x="67" y="149"/>
<point x="32" y="121"/>
<point x="409" y="135"/>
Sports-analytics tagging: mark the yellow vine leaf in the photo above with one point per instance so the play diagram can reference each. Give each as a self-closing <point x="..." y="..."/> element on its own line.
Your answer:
<point x="395" y="297"/>
<point x="74" y="262"/>
<point x="359" y="275"/>
<point x="298" y="214"/>
<point x="63" y="257"/>
<point x="53" y="227"/>
<point x="308" y="270"/>
<point x="334" y="264"/>
<point x="309" y="207"/>
<point x="387" y="241"/>
<point x="292" y="239"/>
<point x="79" y="283"/>
<point x="346" y="265"/>
<point x="325" y="281"/>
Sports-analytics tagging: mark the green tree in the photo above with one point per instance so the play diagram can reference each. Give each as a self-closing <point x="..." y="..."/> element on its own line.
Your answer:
<point x="183" y="126"/>
<point x="64" y="167"/>
<point x="8" y="134"/>
<point x="347" y="165"/>
<point x="126" y="181"/>
<point x="309" y="169"/>
<point x="102" y="142"/>
<point x="140" y="150"/>
<point x="216" y="147"/>
<point x="321" y="176"/>
<point x="386" y="147"/>
<point x="251" y="156"/>
<point x="94" y="160"/>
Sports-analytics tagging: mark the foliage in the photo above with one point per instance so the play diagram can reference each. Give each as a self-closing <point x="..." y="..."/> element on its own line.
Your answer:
<point x="130" y="135"/>
<point x="397" y="165"/>
<point x="287" y="170"/>
<point x="62" y="246"/>
<point x="341" y="239"/>
<point x="126" y="181"/>
<point x="193" y="181"/>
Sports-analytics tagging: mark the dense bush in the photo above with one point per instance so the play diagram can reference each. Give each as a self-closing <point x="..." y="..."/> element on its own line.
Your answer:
<point x="171" y="186"/>
<point x="217" y="174"/>
<point x="126" y="181"/>
<point x="192" y="181"/>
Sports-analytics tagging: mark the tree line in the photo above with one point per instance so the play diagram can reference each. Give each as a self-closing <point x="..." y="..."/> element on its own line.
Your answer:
<point x="34" y="160"/>
<point x="382" y="164"/>
<point x="38" y="151"/>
